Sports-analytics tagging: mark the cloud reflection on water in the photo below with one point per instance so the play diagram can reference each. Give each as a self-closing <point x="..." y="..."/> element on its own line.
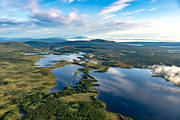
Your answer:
<point x="160" y="98"/>
<point x="118" y="85"/>
<point x="52" y="59"/>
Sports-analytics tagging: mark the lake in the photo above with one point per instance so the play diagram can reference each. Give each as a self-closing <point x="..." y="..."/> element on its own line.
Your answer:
<point x="51" y="59"/>
<point x="64" y="75"/>
<point x="135" y="93"/>
<point x="131" y="92"/>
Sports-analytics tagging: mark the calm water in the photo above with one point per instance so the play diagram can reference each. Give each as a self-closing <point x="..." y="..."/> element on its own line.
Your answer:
<point x="37" y="53"/>
<point x="132" y="92"/>
<point x="64" y="75"/>
<point x="52" y="59"/>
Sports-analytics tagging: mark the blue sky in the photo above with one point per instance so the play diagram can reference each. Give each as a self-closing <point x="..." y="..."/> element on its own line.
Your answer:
<point x="155" y="20"/>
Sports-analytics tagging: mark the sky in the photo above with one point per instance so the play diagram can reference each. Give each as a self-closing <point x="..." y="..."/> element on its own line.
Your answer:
<point x="139" y="20"/>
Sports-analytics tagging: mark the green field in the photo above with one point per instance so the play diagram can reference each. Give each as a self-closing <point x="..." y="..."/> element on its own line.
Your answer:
<point x="24" y="90"/>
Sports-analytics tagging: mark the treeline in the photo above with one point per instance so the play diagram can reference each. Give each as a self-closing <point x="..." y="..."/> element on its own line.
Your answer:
<point x="55" y="109"/>
<point x="41" y="106"/>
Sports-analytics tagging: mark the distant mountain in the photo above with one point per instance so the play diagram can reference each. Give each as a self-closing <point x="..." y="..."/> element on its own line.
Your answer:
<point x="79" y="37"/>
<point x="47" y="40"/>
<point x="38" y="43"/>
<point x="154" y="44"/>
<point x="15" y="39"/>
<point x="91" y="41"/>
<point x="52" y="40"/>
<point x="100" y="40"/>
<point x="94" y="42"/>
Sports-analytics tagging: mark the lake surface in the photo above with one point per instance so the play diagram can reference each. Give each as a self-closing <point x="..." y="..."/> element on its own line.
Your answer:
<point x="37" y="53"/>
<point x="52" y="59"/>
<point x="131" y="92"/>
<point x="64" y="75"/>
<point x="135" y="93"/>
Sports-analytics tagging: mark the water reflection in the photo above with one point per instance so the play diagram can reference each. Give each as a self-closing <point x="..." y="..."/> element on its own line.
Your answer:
<point x="52" y="59"/>
<point x="37" y="53"/>
<point x="132" y="92"/>
<point x="135" y="93"/>
<point x="64" y="75"/>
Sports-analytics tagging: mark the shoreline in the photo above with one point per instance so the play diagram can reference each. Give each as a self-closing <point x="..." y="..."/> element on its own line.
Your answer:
<point x="93" y="97"/>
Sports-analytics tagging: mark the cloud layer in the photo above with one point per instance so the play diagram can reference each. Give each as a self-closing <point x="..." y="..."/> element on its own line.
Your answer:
<point x="171" y="73"/>
<point x="71" y="1"/>
<point x="53" y="19"/>
<point x="116" y="19"/>
<point x="116" y="6"/>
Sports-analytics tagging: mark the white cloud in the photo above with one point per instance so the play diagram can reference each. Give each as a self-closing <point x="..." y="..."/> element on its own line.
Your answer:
<point x="171" y="73"/>
<point x="31" y="5"/>
<point x="71" y="1"/>
<point x="164" y="29"/>
<point x="133" y="12"/>
<point x="116" y="6"/>
<point x="105" y="26"/>
<point x="139" y="11"/>
<point x="152" y="9"/>
<point x="107" y="17"/>
<point x="51" y="17"/>
<point x="69" y="24"/>
<point x="75" y="22"/>
<point x="52" y="22"/>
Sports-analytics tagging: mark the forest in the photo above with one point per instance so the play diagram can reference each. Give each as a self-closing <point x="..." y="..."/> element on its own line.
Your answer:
<point x="25" y="91"/>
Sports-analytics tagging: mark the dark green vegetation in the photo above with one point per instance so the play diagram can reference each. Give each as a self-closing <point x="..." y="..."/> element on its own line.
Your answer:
<point x="116" y="54"/>
<point x="19" y="76"/>
<point x="49" y="106"/>
<point x="25" y="91"/>
<point x="121" y="55"/>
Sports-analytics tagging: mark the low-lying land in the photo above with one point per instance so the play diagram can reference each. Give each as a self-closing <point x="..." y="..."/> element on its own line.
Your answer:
<point x="19" y="76"/>
<point x="117" y="54"/>
<point x="25" y="90"/>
